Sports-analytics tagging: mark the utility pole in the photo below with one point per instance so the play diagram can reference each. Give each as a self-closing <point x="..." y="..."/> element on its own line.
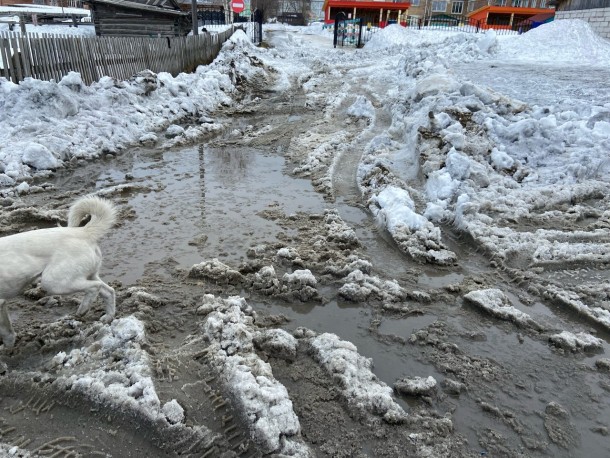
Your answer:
<point x="194" y="17"/>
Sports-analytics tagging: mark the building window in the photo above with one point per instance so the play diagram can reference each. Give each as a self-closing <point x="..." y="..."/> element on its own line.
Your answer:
<point x="471" y="4"/>
<point x="415" y="3"/>
<point x="439" y="7"/>
<point x="457" y="7"/>
<point x="521" y="3"/>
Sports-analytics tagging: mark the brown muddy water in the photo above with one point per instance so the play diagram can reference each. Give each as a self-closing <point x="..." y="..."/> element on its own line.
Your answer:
<point x="182" y="206"/>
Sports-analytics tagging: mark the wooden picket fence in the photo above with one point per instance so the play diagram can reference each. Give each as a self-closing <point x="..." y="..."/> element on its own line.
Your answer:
<point x="51" y="57"/>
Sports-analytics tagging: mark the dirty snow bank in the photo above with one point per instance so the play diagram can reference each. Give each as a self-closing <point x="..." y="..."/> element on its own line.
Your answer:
<point x="263" y="401"/>
<point x="495" y="302"/>
<point x="113" y="368"/>
<point x="462" y="155"/>
<point x="45" y="125"/>
<point x="576" y="342"/>
<point x="362" y="390"/>
<point x="388" y="199"/>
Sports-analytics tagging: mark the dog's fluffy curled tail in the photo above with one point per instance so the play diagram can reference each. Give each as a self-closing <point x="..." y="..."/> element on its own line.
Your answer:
<point x="102" y="212"/>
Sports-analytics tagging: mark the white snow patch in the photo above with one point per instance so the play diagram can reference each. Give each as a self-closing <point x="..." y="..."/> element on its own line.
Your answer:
<point x="173" y="411"/>
<point x="576" y="342"/>
<point x="362" y="389"/>
<point x="262" y="401"/>
<point x="497" y="304"/>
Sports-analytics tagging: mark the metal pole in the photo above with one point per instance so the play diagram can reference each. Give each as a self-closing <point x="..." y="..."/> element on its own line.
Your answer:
<point x="194" y="17"/>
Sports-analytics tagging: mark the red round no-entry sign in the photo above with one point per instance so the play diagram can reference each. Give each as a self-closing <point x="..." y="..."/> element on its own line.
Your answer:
<point x="237" y="6"/>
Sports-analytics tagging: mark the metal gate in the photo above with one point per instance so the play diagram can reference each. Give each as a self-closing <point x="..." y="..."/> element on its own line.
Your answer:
<point x="252" y="24"/>
<point x="350" y="32"/>
<point x="257" y="26"/>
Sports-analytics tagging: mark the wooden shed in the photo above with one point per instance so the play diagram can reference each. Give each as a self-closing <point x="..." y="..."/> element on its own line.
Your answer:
<point x="137" y="18"/>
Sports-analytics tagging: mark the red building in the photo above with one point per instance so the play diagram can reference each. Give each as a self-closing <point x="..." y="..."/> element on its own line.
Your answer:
<point x="376" y="13"/>
<point x="505" y="17"/>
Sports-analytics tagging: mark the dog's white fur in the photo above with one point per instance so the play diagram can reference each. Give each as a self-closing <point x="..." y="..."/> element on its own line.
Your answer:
<point x="67" y="260"/>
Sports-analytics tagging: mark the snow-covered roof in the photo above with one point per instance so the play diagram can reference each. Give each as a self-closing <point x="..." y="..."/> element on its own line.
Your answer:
<point x="43" y="9"/>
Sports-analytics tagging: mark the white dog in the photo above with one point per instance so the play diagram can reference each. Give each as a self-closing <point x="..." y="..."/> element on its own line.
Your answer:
<point x="66" y="259"/>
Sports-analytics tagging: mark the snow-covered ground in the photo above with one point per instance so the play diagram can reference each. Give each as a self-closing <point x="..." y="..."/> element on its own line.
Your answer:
<point x="475" y="141"/>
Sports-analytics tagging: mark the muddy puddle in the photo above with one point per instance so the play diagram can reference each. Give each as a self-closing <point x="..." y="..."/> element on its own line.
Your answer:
<point x="202" y="203"/>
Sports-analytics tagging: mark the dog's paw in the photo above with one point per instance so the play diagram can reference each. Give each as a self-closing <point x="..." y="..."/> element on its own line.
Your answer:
<point x="107" y="319"/>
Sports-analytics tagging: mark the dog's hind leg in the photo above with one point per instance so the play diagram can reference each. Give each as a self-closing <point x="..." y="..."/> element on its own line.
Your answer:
<point x="110" y="300"/>
<point x="6" y="329"/>
<point x="90" y="296"/>
<point x="90" y="287"/>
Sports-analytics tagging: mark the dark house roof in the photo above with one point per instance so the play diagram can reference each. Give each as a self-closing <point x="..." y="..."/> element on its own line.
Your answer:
<point x="158" y="18"/>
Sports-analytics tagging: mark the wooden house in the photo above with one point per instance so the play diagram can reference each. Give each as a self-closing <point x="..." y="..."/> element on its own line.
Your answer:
<point x="133" y="18"/>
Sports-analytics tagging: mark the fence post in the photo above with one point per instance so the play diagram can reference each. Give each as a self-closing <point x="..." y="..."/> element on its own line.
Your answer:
<point x="194" y="17"/>
<point x="338" y="17"/>
<point x="360" y="33"/>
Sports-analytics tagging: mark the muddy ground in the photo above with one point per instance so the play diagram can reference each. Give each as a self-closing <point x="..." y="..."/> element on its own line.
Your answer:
<point x="237" y="215"/>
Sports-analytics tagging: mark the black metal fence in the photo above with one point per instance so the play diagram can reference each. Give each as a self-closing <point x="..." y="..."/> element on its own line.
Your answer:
<point x="350" y="32"/>
<point x="353" y="32"/>
<point x="211" y="18"/>
<point x="500" y="24"/>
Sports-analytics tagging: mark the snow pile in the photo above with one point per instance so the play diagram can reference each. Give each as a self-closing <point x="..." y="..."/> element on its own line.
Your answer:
<point x="44" y="123"/>
<point x="301" y="284"/>
<point x="263" y="401"/>
<point x="360" y="286"/>
<point x="570" y="41"/>
<point x="12" y="451"/>
<point x="494" y="302"/>
<point x="300" y="279"/>
<point x="416" y="386"/>
<point x="173" y="411"/>
<point x="337" y="231"/>
<point x="266" y="281"/>
<point x="112" y="369"/>
<point x="277" y="343"/>
<point x="449" y="45"/>
<point x="396" y="35"/>
<point x="45" y="29"/>
<point x="394" y="210"/>
<point x="488" y="162"/>
<point x="216" y="271"/>
<point x="576" y="342"/>
<point x="362" y="108"/>
<point x="361" y="388"/>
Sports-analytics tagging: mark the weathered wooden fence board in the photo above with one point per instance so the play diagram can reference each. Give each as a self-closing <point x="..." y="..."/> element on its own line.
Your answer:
<point x="51" y="57"/>
<point x="5" y="56"/>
